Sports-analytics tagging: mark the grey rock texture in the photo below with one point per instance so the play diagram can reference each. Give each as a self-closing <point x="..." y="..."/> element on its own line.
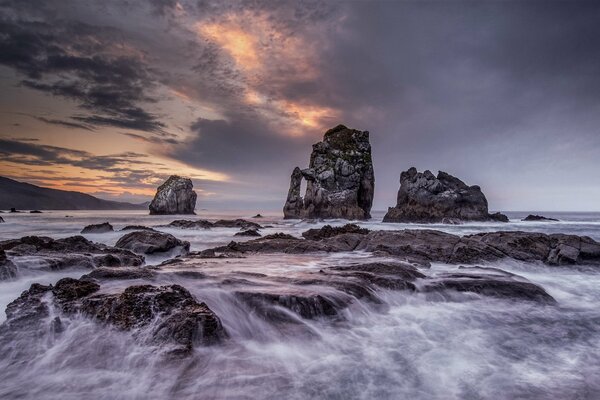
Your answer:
<point x="98" y="228"/>
<point x="175" y="196"/>
<point x="425" y="246"/>
<point x="44" y="253"/>
<point x="151" y="242"/>
<point x="425" y="198"/>
<point x="339" y="180"/>
<point x="8" y="270"/>
<point x="167" y="316"/>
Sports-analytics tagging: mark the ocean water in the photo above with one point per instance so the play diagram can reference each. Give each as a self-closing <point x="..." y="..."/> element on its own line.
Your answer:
<point x="409" y="346"/>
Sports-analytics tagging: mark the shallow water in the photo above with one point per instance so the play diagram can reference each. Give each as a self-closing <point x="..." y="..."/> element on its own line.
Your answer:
<point x="409" y="346"/>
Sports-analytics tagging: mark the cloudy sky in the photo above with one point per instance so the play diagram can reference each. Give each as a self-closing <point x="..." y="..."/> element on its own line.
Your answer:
<point x="110" y="97"/>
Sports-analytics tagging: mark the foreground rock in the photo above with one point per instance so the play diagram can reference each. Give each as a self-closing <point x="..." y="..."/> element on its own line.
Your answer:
<point x="44" y="253"/>
<point x="8" y="270"/>
<point x="424" y="246"/>
<point x="488" y="282"/>
<point x="540" y="218"/>
<point x="328" y="231"/>
<point x="151" y="242"/>
<point x="425" y="198"/>
<point x="98" y="228"/>
<point x="175" y="196"/>
<point x="248" y="232"/>
<point x="340" y="179"/>
<point x="222" y="223"/>
<point x="167" y="316"/>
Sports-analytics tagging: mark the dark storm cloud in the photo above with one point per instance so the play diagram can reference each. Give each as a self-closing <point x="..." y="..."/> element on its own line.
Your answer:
<point x="75" y="61"/>
<point x="63" y="123"/>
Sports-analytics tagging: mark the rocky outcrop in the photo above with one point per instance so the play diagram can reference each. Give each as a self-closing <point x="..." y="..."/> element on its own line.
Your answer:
<point x="98" y="228"/>
<point x="8" y="270"/>
<point x="175" y="196"/>
<point x="222" y="223"/>
<point x="151" y="242"/>
<point x="538" y="218"/>
<point x="328" y="231"/>
<point x="425" y="198"/>
<point x="425" y="246"/>
<point x="44" y="253"/>
<point x="339" y="180"/>
<point x="167" y="316"/>
<point x="248" y="232"/>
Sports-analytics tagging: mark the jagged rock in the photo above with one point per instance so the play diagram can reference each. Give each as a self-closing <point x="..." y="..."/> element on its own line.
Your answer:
<point x="170" y="313"/>
<point x="424" y="246"/>
<point x="340" y="179"/>
<point x="499" y="217"/>
<point x="151" y="242"/>
<point x="532" y="217"/>
<point x="71" y="252"/>
<point x="494" y="283"/>
<point x="248" y="232"/>
<point x="138" y="228"/>
<point x="104" y="273"/>
<point x="8" y="270"/>
<point x="424" y="198"/>
<point x="98" y="228"/>
<point x="328" y="231"/>
<point x="186" y="224"/>
<point x="222" y="223"/>
<point x="175" y="196"/>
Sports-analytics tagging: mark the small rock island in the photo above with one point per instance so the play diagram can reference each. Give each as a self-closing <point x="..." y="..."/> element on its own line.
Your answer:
<point x="175" y="196"/>
<point x="339" y="180"/>
<point x="425" y="198"/>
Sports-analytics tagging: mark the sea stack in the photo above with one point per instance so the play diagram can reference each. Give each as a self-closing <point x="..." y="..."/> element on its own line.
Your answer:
<point x="425" y="198"/>
<point x="339" y="180"/>
<point x="175" y="196"/>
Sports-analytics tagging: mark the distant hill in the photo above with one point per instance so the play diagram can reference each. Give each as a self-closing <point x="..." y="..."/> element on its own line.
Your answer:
<point x="24" y="196"/>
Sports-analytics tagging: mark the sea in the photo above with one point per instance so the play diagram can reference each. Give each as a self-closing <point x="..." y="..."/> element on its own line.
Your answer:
<point x="411" y="346"/>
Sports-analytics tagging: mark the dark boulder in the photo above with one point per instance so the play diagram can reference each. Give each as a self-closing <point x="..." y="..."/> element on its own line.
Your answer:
<point x="175" y="196"/>
<point x="162" y="315"/>
<point x="339" y="180"/>
<point x="328" y="231"/>
<point x="248" y="232"/>
<point x="104" y="273"/>
<point x="186" y="224"/>
<point x="425" y="198"/>
<point x="538" y="218"/>
<point x="98" y="228"/>
<point x="137" y="228"/>
<point x="151" y="242"/>
<point x="236" y="223"/>
<point x="8" y="270"/>
<point x="35" y="212"/>
<point x="71" y="252"/>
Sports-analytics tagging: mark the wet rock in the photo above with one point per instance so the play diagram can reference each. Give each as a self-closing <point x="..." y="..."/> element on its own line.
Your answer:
<point x="306" y="304"/>
<point x="340" y="179"/>
<point x="104" y="273"/>
<point x="167" y="316"/>
<point x="248" y="232"/>
<point x="538" y="218"/>
<point x="98" y="228"/>
<point x="8" y="270"/>
<point x="499" y="217"/>
<point x="138" y="228"/>
<point x="494" y="284"/>
<point x="405" y="271"/>
<point x="35" y="212"/>
<point x="186" y="224"/>
<point x="328" y="231"/>
<point x="425" y="198"/>
<point x="71" y="252"/>
<point x="151" y="242"/>
<point x="175" y="196"/>
<point x="236" y="223"/>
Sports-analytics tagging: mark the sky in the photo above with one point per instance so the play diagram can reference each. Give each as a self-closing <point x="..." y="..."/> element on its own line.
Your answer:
<point x="111" y="97"/>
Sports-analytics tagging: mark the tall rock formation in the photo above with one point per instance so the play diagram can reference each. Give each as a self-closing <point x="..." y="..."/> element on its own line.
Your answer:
<point x="175" y="196"/>
<point x="426" y="198"/>
<point x="339" y="179"/>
